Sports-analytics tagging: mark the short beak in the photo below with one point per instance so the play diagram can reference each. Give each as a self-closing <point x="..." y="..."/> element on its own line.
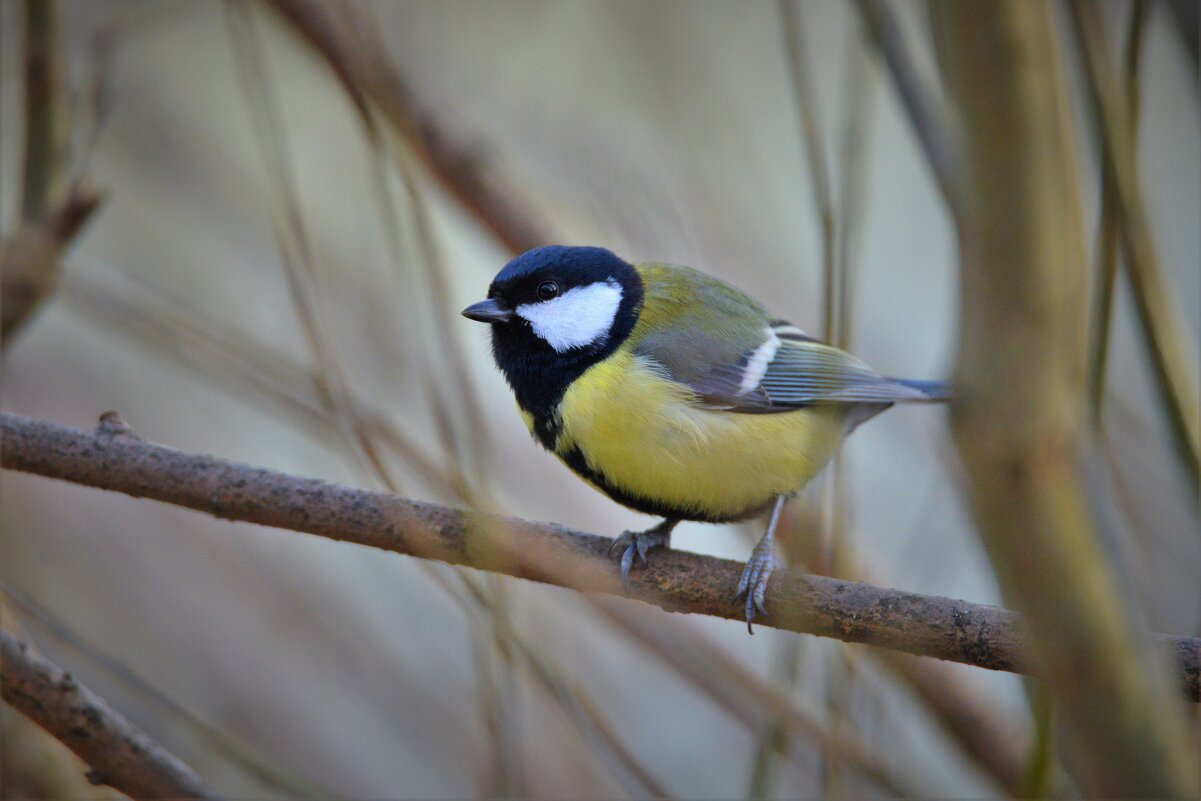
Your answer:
<point x="488" y="311"/>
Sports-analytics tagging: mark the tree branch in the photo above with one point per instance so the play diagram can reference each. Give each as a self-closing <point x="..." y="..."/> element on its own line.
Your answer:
<point x="45" y="108"/>
<point x="52" y="213"/>
<point x="354" y="50"/>
<point x="112" y="457"/>
<point x="119" y="754"/>
<point x="31" y="257"/>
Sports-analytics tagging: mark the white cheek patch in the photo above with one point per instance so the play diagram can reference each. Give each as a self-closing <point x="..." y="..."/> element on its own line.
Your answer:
<point x="756" y="365"/>
<point x="580" y="316"/>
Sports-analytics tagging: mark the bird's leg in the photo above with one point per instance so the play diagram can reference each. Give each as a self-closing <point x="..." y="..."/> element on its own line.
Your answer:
<point x="759" y="567"/>
<point x="639" y="542"/>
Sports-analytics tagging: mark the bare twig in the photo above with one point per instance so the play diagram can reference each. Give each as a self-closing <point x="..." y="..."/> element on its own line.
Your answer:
<point x="955" y="707"/>
<point x="112" y="458"/>
<point x="214" y="739"/>
<point x="929" y="118"/>
<point x="830" y="532"/>
<point x="571" y="697"/>
<point x="813" y="144"/>
<point x="1107" y="229"/>
<point x="1019" y="403"/>
<point x="119" y="754"/>
<point x="45" y="109"/>
<point x="233" y="360"/>
<point x="989" y="738"/>
<point x="30" y="258"/>
<point x="754" y="702"/>
<point x="292" y="238"/>
<point x="358" y="58"/>
<point x="51" y="215"/>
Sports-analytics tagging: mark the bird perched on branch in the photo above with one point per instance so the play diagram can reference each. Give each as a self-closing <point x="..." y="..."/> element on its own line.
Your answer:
<point x="674" y="393"/>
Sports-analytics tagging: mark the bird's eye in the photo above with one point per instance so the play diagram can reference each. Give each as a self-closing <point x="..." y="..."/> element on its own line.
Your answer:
<point x="548" y="290"/>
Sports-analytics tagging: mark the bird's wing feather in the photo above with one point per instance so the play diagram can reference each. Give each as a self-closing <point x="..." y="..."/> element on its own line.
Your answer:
<point x="786" y="372"/>
<point x="736" y="357"/>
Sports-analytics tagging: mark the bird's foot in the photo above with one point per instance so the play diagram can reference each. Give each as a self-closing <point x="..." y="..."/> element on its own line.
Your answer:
<point x="754" y="581"/>
<point x="632" y="543"/>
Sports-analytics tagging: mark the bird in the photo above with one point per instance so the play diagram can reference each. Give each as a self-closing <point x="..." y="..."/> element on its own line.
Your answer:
<point x="675" y="393"/>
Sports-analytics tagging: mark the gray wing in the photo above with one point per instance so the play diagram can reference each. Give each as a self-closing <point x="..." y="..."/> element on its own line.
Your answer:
<point x="722" y="344"/>
<point x="789" y="370"/>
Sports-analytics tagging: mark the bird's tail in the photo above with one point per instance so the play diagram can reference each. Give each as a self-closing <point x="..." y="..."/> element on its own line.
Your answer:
<point x="932" y="390"/>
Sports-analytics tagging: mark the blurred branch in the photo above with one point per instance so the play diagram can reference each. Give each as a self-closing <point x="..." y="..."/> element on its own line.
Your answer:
<point x="1186" y="15"/>
<point x="813" y="144"/>
<point x="571" y="697"/>
<point x="214" y="739"/>
<point x="978" y="730"/>
<point x="754" y="702"/>
<point x="356" y="53"/>
<point x="112" y="457"/>
<point x="929" y="118"/>
<point x="1017" y="413"/>
<point x="1107" y="227"/>
<point x="45" y="109"/>
<point x="293" y="242"/>
<point x="231" y="359"/>
<point x="30" y="258"/>
<point x="120" y="755"/>
<point x="1170" y="347"/>
<point x="50" y="217"/>
<point x="989" y="737"/>
<point x="830" y="532"/>
<point x="586" y="716"/>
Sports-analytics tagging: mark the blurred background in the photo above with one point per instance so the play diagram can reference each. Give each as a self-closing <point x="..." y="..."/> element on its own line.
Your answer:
<point x="273" y="275"/>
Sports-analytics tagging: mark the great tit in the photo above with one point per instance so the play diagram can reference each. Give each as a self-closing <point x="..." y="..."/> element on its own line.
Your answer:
<point x="674" y="393"/>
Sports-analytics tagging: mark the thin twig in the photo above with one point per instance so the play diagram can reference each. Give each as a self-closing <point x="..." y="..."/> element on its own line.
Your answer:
<point x="51" y="214"/>
<point x="570" y="696"/>
<point x="1107" y="228"/>
<point x="813" y="144"/>
<point x="212" y="737"/>
<point x="774" y="739"/>
<point x="754" y="702"/>
<point x="929" y="118"/>
<point x="366" y="69"/>
<point x="119" y="754"/>
<point x="292" y="239"/>
<point x="30" y="259"/>
<point x="113" y="458"/>
<point x="233" y="360"/>
<point x="955" y="706"/>
<point x="45" y="109"/>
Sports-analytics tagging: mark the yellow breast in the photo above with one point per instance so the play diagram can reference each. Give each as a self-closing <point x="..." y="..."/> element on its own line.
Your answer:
<point x="649" y="438"/>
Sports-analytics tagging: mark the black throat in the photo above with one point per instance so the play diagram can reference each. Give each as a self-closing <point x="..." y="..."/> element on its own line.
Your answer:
<point x="540" y="375"/>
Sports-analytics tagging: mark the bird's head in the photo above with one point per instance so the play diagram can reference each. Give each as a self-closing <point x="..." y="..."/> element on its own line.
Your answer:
<point x="556" y="311"/>
<point x="573" y="302"/>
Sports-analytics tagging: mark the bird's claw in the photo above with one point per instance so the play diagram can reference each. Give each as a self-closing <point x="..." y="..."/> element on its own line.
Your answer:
<point x="632" y="543"/>
<point x="753" y="583"/>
